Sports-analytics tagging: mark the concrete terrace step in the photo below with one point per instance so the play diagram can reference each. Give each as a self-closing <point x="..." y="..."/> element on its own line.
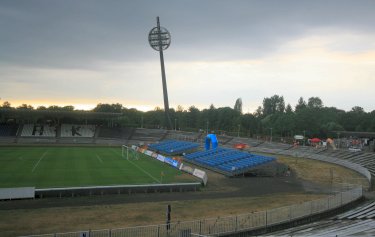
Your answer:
<point x="352" y="213"/>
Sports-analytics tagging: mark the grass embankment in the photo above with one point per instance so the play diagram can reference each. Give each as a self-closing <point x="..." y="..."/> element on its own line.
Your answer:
<point x="322" y="172"/>
<point x="52" y="220"/>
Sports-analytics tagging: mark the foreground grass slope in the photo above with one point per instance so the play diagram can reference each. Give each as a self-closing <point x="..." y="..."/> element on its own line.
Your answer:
<point x="52" y="220"/>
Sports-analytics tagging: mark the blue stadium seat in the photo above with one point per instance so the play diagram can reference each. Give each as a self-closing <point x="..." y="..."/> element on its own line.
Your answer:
<point x="172" y="147"/>
<point x="228" y="160"/>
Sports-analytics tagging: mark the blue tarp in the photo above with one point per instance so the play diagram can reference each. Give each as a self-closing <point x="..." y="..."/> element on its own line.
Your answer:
<point x="211" y="138"/>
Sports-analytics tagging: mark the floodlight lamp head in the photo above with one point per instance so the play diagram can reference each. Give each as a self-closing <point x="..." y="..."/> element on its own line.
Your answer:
<point x="159" y="38"/>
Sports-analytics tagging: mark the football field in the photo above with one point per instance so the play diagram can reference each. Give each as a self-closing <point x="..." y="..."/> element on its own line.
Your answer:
<point x="48" y="167"/>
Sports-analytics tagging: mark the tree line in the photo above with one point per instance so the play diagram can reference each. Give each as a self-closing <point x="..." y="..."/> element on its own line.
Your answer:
<point x="273" y="117"/>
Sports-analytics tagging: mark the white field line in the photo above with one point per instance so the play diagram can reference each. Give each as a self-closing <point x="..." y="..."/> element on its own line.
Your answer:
<point x="145" y="171"/>
<point x="100" y="159"/>
<point x="140" y="168"/>
<point x="36" y="165"/>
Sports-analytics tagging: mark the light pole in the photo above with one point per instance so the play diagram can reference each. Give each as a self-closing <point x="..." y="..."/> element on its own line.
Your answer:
<point x="160" y="39"/>
<point x="271" y="135"/>
<point x="207" y="127"/>
<point x="304" y="135"/>
<point x="175" y="124"/>
<point x="238" y="133"/>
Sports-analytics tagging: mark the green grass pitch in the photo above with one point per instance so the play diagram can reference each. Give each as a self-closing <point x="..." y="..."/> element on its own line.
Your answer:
<point x="48" y="167"/>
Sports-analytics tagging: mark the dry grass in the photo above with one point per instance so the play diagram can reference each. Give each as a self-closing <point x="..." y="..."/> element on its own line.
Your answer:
<point x="322" y="172"/>
<point x="50" y="220"/>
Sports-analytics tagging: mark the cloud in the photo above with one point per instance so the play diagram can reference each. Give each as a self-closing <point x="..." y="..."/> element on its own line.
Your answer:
<point x="307" y="66"/>
<point x="95" y="51"/>
<point x="77" y="34"/>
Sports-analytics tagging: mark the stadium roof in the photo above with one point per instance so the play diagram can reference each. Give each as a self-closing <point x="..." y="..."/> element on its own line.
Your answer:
<point x="17" y="113"/>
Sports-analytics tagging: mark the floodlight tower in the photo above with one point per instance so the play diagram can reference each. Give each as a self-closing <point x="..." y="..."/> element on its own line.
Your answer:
<point x="160" y="39"/>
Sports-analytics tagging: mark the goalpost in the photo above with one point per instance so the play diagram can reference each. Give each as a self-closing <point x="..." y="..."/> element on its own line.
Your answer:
<point x="128" y="153"/>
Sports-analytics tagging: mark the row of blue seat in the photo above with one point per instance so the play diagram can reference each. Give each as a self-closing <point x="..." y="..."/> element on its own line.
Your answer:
<point x="173" y="147"/>
<point x="228" y="160"/>
<point x="223" y="159"/>
<point x="206" y="153"/>
<point x="245" y="163"/>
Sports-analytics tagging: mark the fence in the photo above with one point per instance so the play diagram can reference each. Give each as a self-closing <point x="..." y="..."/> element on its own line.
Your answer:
<point x="342" y="195"/>
<point x="116" y="189"/>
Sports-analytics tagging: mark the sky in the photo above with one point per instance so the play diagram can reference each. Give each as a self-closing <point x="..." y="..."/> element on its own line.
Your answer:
<point x="85" y="52"/>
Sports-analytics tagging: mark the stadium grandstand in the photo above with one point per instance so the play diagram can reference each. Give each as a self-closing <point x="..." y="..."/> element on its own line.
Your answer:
<point x="82" y="127"/>
<point x="90" y="128"/>
<point x="38" y="130"/>
<point x="8" y="130"/>
<point x="46" y="126"/>
<point x="228" y="161"/>
<point x="356" y="222"/>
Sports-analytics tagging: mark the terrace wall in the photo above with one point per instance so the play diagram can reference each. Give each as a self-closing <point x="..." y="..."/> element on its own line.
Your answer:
<point x="117" y="189"/>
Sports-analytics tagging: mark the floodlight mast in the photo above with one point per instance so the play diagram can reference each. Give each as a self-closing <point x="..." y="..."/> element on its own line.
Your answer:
<point x="160" y="39"/>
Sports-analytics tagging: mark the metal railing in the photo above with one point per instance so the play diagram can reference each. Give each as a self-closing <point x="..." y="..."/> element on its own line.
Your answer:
<point x="342" y="195"/>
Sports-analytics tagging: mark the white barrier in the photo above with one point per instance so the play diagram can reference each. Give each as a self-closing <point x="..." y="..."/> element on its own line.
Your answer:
<point x="200" y="174"/>
<point x="17" y="193"/>
<point x="174" y="163"/>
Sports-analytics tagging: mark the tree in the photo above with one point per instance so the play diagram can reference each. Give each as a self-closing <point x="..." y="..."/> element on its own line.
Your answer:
<point x="355" y="119"/>
<point x="315" y="102"/>
<point x="258" y="112"/>
<point x="25" y="107"/>
<point x="273" y="105"/>
<point x="180" y="108"/>
<point x="371" y="127"/>
<point x="238" y="105"/>
<point x="288" y="109"/>
<point x="41" y="107"/>
<point x="68" y="108"/>
<point x="6" y="105"/>
<point x="300" y="105"/>
<point x="327" y="129"/>
<point x="193" y="117"/>
<point x="108" y="108"/>
<point x="228" y="119"/>
<point x="280" y="104"/>
<point x="57" y="108"/>
<point x="154" y="118"/>
<point x="358" y="110"/>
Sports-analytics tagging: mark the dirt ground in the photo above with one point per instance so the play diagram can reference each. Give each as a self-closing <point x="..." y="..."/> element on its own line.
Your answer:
<point x="221" y="197"/>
